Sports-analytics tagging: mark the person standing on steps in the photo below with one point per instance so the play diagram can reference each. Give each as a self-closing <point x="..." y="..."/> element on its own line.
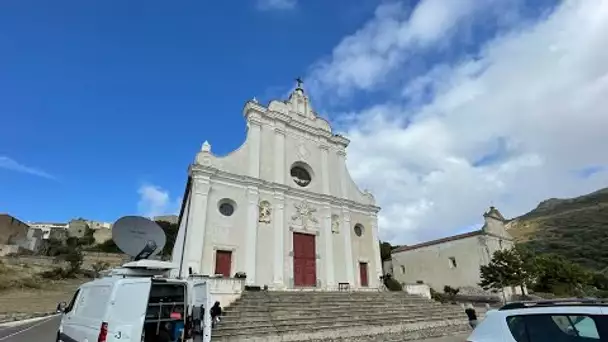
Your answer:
<point x="216" y="312"/>
<point x="472" y="315"/>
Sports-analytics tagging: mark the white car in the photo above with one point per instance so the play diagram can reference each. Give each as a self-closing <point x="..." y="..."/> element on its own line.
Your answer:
<point x="576" y="320"/>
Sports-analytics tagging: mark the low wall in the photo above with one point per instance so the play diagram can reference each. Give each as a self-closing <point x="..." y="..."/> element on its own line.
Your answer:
<point x="225" y="290"/>
<point x="8" y="249"/>
<point x="422" y="290"/>
<point x="89" y="259"/>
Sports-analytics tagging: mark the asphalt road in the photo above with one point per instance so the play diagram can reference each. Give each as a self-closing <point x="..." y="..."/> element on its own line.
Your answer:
<point x="41" y="331"/>
<point x="45" y="331"/>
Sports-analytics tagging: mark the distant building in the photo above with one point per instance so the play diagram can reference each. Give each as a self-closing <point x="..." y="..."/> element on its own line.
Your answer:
<point x="167" y="218"/>
<point x="102" y="235"/>
<point x="94" y="225"/>
<point x="48" y="227"/>
<point x="454" y="260"/>
<point x="77" y="228"/>
<point x="12" y="230"/>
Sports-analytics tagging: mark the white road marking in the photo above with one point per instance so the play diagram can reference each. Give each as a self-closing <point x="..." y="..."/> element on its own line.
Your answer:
<point x="26" y="329"/>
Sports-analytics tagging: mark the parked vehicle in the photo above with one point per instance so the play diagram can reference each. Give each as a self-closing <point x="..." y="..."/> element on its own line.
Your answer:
<point x="136" y="303"/>
<point x="574" y="320"/>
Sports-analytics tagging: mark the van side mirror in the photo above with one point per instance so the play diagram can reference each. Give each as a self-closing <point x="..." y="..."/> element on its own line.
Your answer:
<point x="61" y="306"/>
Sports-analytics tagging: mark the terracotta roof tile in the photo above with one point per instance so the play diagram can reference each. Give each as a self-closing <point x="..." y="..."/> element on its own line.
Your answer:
<point x="438" y="241"/>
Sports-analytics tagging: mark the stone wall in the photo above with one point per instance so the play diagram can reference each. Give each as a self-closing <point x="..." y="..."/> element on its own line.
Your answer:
<point x="90" y="258"/>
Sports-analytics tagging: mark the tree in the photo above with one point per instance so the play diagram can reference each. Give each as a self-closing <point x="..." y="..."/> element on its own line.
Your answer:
<point x="75" y="259"/>
<point x="508" y="268"/>
<point x="385" y="251"/>
<point x="171" y="230"/>
<point x="557" y="275"/>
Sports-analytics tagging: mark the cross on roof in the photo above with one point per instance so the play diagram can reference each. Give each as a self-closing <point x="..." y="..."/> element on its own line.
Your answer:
<point x="299" y="80"/>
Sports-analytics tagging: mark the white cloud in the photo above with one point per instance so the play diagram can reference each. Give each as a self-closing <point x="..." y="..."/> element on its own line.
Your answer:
<point x="156" y="201"/>
<point x="13" y="165"/>
<point x="532" y="104"/>
<point x="269" y="5"/>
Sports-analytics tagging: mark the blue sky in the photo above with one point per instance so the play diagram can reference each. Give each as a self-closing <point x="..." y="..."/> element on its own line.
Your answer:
<point x="107" y="95"/>
<point x="456" y="104"/>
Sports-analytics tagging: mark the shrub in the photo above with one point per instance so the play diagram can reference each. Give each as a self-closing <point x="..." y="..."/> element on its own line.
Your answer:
<point x="56" y="273"/>
<point x="392" y="284"/>
<point x="98" y="267"/>
<point x="438" y="296"/>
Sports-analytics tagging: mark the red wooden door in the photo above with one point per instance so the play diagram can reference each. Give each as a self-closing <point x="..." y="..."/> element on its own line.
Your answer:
<point x="304" y="260"/>
<point x="363" y="274"/>
<point x="223" y="262"/>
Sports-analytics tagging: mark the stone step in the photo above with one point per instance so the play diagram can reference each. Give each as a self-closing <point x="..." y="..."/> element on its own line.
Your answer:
<point x="313" y="311"/>
<point x="324" y="317"/>
<point x="336" y="300"/>
<point x="312" y="325"/>
<point x="269" y="306"/>
<point x="337" y="308"/>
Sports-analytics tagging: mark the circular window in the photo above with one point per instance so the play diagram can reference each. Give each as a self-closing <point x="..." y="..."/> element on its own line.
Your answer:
<point x="300" y="175"/>
<point x="226" y="207"/>
<point x="358" y="229"/>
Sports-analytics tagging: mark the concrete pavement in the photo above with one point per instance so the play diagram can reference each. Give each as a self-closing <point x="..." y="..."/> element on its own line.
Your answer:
<point x="40" y="331"/>
<point x="46" y="331"/>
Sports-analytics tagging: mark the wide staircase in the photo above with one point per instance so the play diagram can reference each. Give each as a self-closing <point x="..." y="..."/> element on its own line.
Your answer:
<point x="337" y="316"/>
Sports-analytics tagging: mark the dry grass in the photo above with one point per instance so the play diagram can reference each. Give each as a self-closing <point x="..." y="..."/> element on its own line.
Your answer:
<point x="23" y="291"/>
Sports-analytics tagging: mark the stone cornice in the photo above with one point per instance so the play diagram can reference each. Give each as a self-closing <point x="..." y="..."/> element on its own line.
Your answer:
<point x="248" y="182"/>
<point x="257" y="114"/>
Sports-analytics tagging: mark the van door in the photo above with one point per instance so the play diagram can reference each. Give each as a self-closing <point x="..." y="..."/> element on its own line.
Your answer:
<point x="127" y="309"/>
<point x="202" y="297"/>
<point x="68" y="329"/>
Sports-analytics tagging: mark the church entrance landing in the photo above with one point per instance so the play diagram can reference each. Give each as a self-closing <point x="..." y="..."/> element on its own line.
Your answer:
<point x="304" y="260"/>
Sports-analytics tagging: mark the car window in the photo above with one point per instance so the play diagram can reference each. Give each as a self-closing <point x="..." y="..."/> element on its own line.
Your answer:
<point x="72" y="302"/>
<point x="554" y="328"/>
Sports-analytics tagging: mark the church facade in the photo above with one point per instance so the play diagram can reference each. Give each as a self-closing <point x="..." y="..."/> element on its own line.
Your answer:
<point x="282" y="208"/>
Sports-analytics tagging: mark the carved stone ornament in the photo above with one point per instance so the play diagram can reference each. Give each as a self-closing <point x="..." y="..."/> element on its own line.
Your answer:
<point x="265" y="212"/>
<point x="304" y="214"/>
<point x="335" y="224"/>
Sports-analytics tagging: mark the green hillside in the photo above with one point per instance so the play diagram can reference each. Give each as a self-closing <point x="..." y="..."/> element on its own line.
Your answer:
<point x="576" y="228"/>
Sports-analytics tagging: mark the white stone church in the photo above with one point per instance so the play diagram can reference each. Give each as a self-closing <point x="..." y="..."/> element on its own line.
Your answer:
<point x="282" y="208"/>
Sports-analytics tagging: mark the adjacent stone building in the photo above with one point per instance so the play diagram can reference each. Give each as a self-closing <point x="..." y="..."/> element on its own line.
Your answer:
<point x="454" y="260"/>
<point x="282" y="208"/>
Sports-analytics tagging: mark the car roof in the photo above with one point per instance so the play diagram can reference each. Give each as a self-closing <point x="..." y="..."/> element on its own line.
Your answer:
<point x="495" y="320"/>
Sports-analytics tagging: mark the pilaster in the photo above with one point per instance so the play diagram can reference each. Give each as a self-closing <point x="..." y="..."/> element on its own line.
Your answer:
<point x="197" y="224"/>
<point x="341" y="154"/>
<point x="279" y="155"/>
<point x="376" y="248"/>
<point x="328" y="253"/>
<point x="325" y="168"/>
<point x="279" y="240"/>
<point x="348" y="247"/>
<point x="254" y="141"/>
<point x="253" y="197"/>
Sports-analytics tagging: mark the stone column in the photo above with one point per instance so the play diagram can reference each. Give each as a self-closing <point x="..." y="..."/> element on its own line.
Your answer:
<point x="376" y="249"/>
<point x="325" y="168"/>
<point x="254" y="142"/>
<point x="251" y="234"/>
<point x="279" y="156"/>
<point x="197" y="224"/>
<point x="278" y="219"/>
<point x="328" y="253"/>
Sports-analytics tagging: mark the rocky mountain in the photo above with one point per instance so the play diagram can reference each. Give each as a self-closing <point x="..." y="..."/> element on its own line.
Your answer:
<point x="576" y="228"/>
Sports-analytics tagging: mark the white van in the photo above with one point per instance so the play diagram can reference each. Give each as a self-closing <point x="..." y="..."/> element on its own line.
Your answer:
<point x="134" y="304"/>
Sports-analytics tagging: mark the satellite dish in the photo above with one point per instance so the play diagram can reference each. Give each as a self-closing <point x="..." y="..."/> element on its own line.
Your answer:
<point x="138" y="236"/>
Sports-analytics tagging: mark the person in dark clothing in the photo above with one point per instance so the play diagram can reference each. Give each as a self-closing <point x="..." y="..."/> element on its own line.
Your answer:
<point x="472" y="315"/>
<point x="216" y="312"/>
